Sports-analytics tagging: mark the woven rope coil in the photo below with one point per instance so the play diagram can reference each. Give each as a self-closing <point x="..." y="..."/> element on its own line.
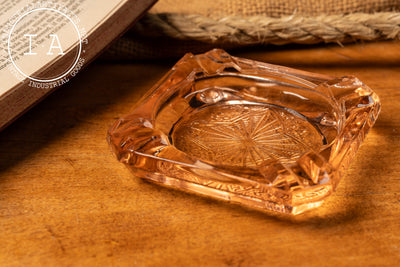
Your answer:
<point x="266" y="30"/>
<point x="175" y="27"/>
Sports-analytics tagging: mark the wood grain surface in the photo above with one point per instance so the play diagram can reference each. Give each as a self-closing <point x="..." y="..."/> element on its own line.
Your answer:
<point x="66" y="201"/>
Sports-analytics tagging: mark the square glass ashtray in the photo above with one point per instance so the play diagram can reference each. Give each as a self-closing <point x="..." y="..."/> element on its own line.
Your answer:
<point x="265" y="136"/>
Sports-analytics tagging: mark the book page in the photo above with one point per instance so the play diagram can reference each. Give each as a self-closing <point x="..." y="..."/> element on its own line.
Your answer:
<point x="36" y="34"/>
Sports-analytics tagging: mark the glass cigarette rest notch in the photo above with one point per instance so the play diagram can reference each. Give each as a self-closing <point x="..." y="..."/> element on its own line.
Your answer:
<point x="261" y="135"/>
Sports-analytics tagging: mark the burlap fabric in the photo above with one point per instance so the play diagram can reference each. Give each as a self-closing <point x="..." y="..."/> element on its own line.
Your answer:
<point x="175" y="27"/>
<point x="273" y="8"/>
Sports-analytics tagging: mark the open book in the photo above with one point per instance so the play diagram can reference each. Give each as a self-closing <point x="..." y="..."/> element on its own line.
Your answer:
<point x="45" y="44"/>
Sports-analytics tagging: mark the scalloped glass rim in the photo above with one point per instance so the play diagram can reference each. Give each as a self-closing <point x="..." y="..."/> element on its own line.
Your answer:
<point x="265" y="136"/>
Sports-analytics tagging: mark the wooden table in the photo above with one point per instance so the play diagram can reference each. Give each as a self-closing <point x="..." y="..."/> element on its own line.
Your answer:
<point x="66" y="201"/>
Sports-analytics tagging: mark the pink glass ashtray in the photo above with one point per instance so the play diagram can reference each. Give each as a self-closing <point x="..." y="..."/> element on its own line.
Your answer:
<point x="261" y="135"/>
